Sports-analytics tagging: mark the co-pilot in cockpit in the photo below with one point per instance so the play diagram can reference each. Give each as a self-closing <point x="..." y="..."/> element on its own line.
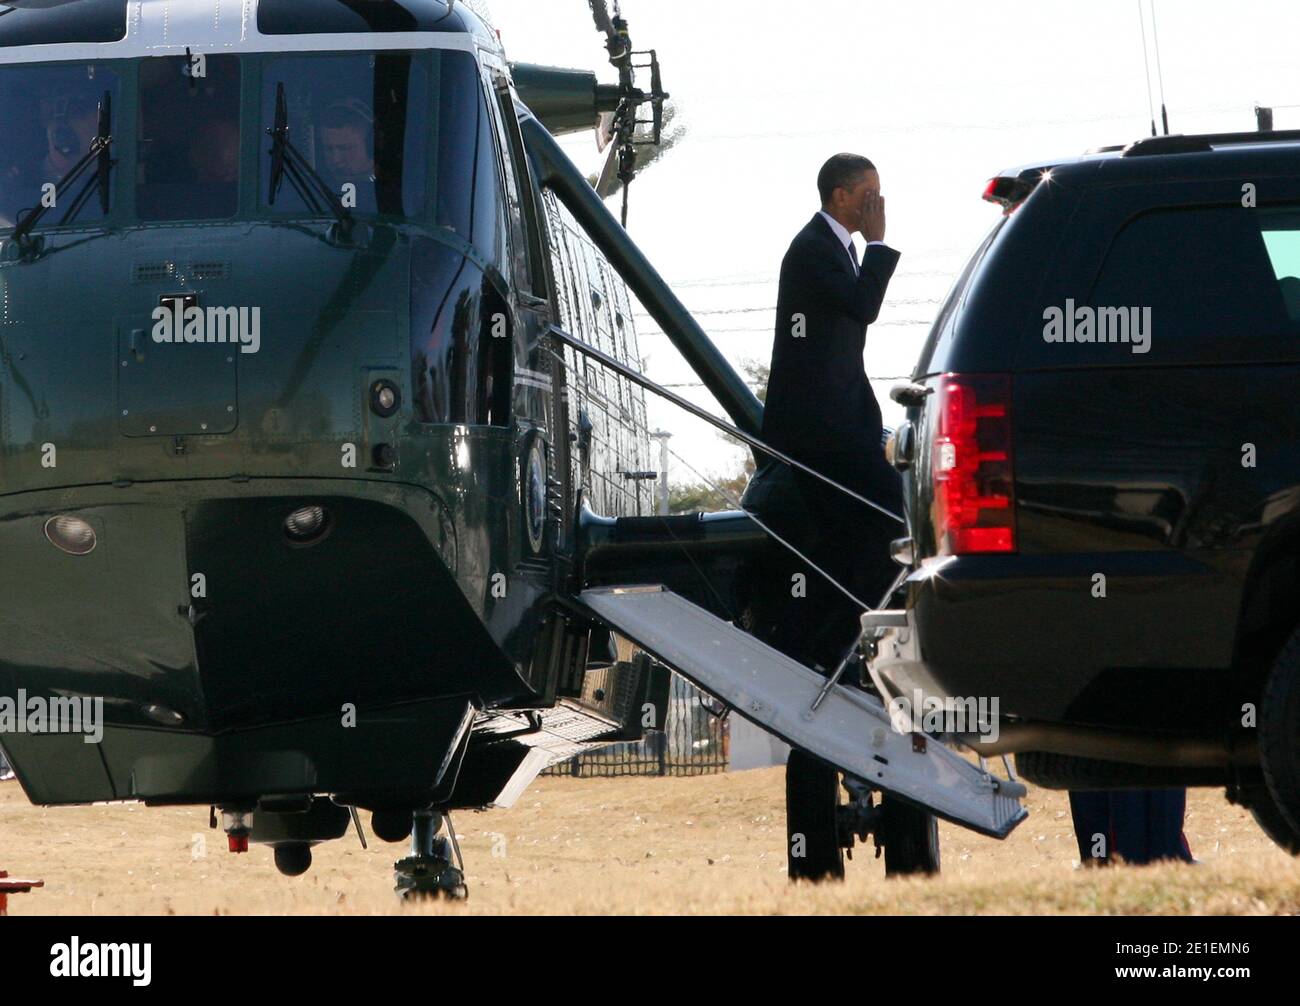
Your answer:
<point x="48" y="118"/>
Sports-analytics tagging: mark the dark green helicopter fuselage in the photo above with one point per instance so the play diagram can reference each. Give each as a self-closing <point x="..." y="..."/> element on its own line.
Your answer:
<point x="416" y="651"/>
<point x="394" y="604"/>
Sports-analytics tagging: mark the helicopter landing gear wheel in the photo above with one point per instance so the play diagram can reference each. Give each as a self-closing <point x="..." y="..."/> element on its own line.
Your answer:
<point x="420" y="879"/>
<point x="812" y="798"/>
<point x="429" y="873"/>
<point x="910" y="837"/>
<point x="819" y="828"/>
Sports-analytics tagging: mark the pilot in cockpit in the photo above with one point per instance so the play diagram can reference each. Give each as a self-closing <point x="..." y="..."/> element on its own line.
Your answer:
<point x="71" y="122"/>
<point x="60" y="135"/>
<point x="347" y="146"/>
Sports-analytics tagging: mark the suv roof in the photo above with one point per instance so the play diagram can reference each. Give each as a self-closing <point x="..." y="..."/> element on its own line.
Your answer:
<point x="1180" y="143"/>
<point x="1160" y="157"/>
<point x="1042" y="238"/>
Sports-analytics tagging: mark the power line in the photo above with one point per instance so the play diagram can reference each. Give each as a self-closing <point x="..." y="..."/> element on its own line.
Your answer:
<point x="1155" y="42"/>
<point x="1006" y="124"/>
<point x="767" y="330"/>
<point x="1146" y="66"/>
<point x="749" y="279"/>
<point x="731" y="498"/>
<point x="908" y="301"/>
<point x="761" y="384"/>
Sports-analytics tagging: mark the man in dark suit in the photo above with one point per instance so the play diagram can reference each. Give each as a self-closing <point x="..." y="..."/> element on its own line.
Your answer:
<point x="820" y="408"/>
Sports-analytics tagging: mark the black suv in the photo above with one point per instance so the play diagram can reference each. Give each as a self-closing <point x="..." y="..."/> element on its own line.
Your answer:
<point x="1102" y="467"/>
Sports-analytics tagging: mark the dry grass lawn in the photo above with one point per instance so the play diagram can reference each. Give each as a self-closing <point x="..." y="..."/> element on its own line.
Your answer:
<point x="712" y="844"/>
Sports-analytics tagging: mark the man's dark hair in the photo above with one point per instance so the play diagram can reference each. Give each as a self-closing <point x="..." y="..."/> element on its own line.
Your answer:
<point x="341" y="117"/>
<point x="840" y="172"/>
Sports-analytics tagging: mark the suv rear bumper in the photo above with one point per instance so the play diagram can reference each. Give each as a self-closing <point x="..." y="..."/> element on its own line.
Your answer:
<point x="1029" y="632"/>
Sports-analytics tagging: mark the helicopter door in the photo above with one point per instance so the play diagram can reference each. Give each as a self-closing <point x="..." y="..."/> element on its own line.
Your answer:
<point x="525" y="225"/>
<point x="166" y="388"/>
<point x="533" y="393"/>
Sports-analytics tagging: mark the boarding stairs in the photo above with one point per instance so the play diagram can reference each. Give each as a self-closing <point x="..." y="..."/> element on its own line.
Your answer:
<point x="843" y="725"/>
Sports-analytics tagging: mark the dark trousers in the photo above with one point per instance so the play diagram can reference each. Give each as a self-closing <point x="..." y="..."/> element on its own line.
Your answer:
<point x="848" y="540"/>
<point x="1140" y="826"/>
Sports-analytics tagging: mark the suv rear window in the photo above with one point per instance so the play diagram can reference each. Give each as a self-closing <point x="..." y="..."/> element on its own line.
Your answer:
<point x="942" y="328"/>
<point x="1209" y="280"/>
<point x="1281" y="232"/>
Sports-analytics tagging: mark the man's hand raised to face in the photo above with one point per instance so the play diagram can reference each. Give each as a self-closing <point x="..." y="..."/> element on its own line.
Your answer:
<point x="873" y="217"/>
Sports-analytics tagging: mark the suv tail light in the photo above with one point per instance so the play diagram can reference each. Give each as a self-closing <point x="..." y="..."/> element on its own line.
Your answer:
<point x="1010" y="191"/>
<point x="970" y="462"/>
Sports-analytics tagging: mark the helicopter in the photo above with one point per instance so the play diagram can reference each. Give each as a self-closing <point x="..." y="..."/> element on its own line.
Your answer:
<point x="324" y="461"/>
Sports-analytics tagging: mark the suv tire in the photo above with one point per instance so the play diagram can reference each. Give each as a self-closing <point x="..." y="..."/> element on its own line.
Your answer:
<point x="1279" y="732"/>
<point x="1263" y="808"/>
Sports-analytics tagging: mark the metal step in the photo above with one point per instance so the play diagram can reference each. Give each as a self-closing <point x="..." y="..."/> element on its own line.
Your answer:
<point x="850" y="729"/>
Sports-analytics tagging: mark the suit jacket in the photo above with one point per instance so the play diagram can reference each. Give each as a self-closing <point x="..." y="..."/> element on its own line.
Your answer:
<point x="818" y="398"/>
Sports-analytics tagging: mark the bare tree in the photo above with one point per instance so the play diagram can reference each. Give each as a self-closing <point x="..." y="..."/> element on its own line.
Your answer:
<point x="721" y="491"/>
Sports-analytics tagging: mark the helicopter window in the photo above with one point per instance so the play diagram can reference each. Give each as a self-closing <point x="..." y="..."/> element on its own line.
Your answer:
<point x="469" y="199"/>
<point x="50" y="24"/>
<point x="49" y="116"/>
<point x="360" y="123"/>
<point x="294" y="17"/>
<point x="188" y="165"/>
<point x="527" y="254"/>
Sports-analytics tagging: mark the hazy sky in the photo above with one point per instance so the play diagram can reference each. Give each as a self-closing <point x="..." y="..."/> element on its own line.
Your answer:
<point x="940" y="95"/>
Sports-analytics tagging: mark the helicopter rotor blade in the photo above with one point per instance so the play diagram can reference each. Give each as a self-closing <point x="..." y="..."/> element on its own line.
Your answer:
<point x="617" y="42"/>
<point x="600" y="13"/>
<point x="605" y="130"/>
<point x="607" y="183"/>
<point x="620" y="130"/>
<point x="658" y="96"/>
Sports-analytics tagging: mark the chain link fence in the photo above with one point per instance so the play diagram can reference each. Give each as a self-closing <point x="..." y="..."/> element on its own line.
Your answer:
<point x="695" y="741"/>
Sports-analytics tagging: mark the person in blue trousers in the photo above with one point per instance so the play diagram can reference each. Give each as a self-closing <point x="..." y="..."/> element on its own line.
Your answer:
<point x="1139" y="826"/>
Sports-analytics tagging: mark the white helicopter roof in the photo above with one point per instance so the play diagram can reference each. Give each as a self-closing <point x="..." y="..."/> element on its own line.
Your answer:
<point x="35" y="31"/>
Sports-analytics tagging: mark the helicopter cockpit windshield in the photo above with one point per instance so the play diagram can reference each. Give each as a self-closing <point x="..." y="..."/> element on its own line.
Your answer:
<point x="49" y="116"/>
<point x="390" y="135"/>
<point x="188" y="139"/>
<point x="360" y="122"/>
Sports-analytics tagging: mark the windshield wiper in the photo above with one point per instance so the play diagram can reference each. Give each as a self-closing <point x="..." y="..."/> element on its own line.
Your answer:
<point x="288" y="161"/>
<point x="100" y="152"/>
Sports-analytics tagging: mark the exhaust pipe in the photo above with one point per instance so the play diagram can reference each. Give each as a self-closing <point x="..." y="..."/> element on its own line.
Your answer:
<point x="1106" y="745"/>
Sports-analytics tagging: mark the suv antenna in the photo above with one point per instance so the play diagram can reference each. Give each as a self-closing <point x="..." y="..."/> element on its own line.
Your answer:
<point x="1155" y="41"/>
<point x="1146" y="64"/>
